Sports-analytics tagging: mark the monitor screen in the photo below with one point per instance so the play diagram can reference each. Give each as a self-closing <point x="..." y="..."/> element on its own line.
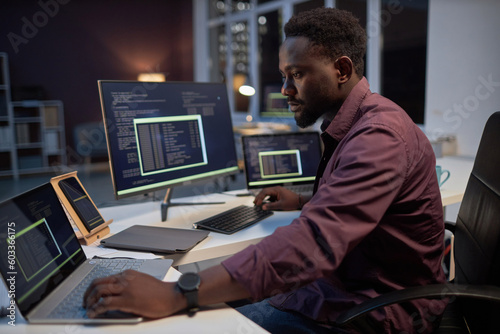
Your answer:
<point x="39" y="246"/>
<point x="289" y="158"/>
<point x="164" y="134"/>
<point x="274" y="104"/>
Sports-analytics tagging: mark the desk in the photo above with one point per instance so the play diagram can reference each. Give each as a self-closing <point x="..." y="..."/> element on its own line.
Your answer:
<point x="215" y="245"/>
<point x="460" y="169"/>
<point x="449" y="197"/>
<point x="453" y="190"/>
<point x="215" y="319"/>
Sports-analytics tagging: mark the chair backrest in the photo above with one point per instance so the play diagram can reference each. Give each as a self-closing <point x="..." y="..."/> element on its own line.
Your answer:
<point x="477" y="233"/>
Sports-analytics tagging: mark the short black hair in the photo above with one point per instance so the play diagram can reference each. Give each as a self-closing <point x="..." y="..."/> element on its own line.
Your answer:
<point x="337" y="32"/>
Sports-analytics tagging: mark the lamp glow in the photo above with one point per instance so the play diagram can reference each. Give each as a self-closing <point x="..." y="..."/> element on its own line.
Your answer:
<point x="151" y="77"/>
<point x="246" y="90"/>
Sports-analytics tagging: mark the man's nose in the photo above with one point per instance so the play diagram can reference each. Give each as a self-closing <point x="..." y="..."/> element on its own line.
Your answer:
<point x="288" y="88"/>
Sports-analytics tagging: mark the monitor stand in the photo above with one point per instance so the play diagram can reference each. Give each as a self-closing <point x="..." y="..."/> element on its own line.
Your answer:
<point x="166" y="204"/>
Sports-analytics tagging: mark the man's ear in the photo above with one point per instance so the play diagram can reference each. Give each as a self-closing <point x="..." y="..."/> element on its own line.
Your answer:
<point x="345" y="67"/>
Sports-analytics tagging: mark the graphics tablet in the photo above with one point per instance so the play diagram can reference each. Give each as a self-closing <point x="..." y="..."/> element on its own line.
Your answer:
<point x="155" y="239"/>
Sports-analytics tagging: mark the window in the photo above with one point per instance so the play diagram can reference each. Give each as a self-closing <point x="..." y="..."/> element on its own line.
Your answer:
<point x="272" y="103"/>
<point x="237" y="42"/>
<point x="404" y="54"/>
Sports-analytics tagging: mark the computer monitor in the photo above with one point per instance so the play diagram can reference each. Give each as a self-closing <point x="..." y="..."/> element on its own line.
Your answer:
<point x="165" y="134"/>
<point x="281" y="159"/>
<point x="274" y="104"/>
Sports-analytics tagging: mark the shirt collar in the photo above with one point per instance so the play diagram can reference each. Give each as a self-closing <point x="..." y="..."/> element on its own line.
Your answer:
<point x="348" y="113"/>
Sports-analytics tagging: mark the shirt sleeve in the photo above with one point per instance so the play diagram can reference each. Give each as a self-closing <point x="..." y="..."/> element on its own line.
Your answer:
<point x="358" y="186"/>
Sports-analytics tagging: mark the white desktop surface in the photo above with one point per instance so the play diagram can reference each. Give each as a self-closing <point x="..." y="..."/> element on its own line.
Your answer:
<point x="215" y="319"/>
<point x="452" y="191"/>
<point x="216" y="244"/>
<point x="460" y="169"/>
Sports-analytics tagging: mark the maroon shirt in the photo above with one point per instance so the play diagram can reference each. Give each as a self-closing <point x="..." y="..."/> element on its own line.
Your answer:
<point x="375" y="223"/>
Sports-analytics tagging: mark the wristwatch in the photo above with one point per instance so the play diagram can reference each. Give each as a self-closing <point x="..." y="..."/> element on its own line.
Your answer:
<point x="188" y="285"/>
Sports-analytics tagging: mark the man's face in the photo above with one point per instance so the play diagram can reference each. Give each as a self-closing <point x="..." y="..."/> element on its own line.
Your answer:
<point x="309" y="81"/>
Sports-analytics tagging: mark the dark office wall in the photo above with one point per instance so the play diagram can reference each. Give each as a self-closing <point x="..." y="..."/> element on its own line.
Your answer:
<point x="58" y="49"/>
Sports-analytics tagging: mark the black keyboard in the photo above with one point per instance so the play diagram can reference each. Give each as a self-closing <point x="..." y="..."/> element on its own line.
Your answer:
<point x="234" y="219"/>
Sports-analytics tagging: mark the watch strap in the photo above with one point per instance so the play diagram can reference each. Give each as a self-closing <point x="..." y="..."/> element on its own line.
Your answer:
<point x="192" y="301"/>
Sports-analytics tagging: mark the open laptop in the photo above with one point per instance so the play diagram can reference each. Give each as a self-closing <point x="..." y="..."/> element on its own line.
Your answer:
<point x="283" y="159"/>
<point x="42" y="262"/>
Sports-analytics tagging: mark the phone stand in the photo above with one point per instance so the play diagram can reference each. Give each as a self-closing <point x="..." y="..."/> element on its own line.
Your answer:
<point x="84" y="235"/>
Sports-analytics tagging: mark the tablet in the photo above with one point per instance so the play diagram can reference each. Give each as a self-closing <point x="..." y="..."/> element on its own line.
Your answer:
<point x="155" y="239"/>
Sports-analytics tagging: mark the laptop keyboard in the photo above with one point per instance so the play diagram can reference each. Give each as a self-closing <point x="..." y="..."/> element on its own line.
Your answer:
<point x="71" y="307"/>
<point x="234" y="219"/>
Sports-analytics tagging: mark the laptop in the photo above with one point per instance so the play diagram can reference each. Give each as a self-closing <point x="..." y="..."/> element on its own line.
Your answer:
<point x="283" y="159"/>
<point x="43" y="264"/>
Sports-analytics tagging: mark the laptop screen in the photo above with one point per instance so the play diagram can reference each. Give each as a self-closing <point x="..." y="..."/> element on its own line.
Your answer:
<point x="281" y="159"/>
<point x="38" y="246"/>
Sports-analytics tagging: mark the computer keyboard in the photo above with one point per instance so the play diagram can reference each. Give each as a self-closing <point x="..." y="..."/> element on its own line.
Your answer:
<point x="71" y="307"/>
<point x="234" y="219"/>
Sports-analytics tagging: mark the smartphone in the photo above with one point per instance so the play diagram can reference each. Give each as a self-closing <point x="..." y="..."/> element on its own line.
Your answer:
<point x="81" y="203"/>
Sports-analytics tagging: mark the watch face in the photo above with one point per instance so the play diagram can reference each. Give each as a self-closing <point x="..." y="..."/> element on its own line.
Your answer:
<point x="189" y="281"/>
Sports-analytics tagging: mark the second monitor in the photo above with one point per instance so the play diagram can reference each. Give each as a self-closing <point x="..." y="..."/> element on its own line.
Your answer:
<point x="282" y="159"/>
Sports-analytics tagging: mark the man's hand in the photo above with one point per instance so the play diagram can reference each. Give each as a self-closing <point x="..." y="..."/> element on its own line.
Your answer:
<point x="132" y="292"/>
<point x="280" y="199"/>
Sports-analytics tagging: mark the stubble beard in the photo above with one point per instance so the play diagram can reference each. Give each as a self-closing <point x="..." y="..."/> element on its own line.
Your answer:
<point x="305" y="118"/>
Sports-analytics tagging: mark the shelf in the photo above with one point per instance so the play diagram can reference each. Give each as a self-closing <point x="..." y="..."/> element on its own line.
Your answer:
<point x="4" y="112"/>
<point x="5" y="162"/>
<point x="32" y="133"/>
<point x="27" y="120"/>
<point x="51" y="115"/>
<point x="4" y="66"/>
<point x="30" y="162"/>
<point x="8" y="158"/>
<point x="26" y="146"/>
<point x="28" y="133"/>
<point x="29" y="112"/>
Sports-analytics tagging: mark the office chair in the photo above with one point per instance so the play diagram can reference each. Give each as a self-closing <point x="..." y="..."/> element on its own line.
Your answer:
<point x="474" y="294"/>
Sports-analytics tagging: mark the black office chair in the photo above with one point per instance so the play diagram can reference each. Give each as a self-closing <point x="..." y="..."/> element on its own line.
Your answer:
<point x="474" y="303"/>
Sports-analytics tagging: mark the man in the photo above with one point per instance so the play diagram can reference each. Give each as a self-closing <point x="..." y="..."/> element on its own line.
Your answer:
<point x="373" y="225"/>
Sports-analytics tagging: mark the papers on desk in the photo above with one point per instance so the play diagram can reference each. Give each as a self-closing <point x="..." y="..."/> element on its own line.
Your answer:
<point x="96" y="249"/>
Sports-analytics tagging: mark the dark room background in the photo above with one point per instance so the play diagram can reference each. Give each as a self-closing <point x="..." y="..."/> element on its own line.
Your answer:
<point x="58" y="49"/>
